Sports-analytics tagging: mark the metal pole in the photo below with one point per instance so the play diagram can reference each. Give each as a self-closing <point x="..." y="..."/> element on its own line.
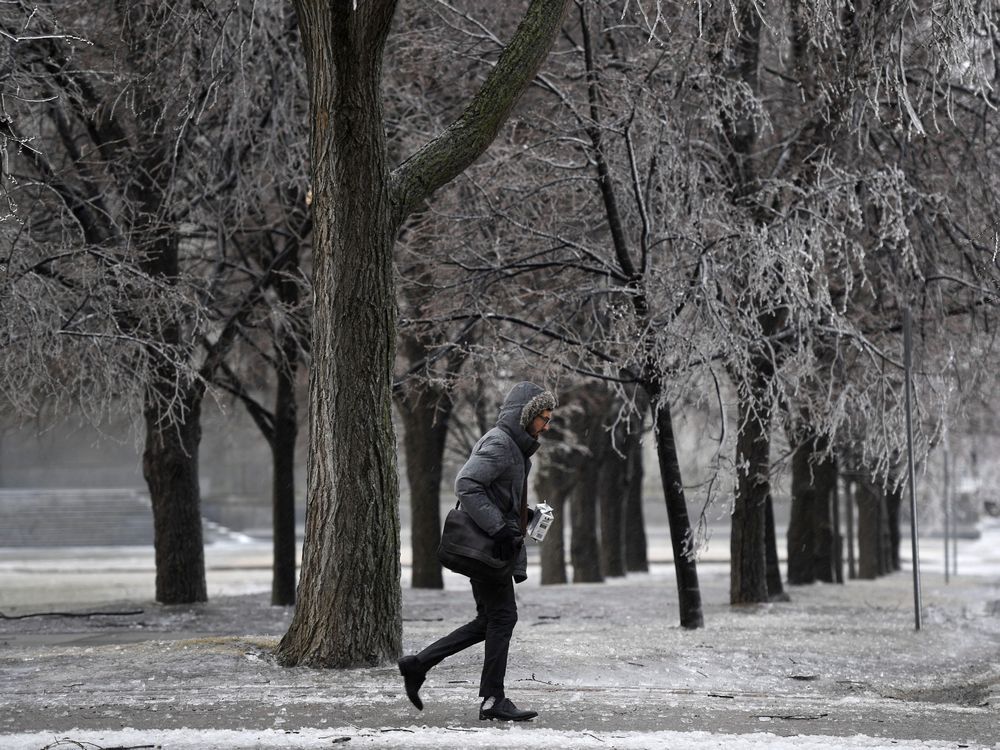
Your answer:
<point x="954" y="524"/>
<point x="947" y="512"/>
<point x="838" y="541"/>
<point x="852" y="572"/>
<point x="908" y="367"/>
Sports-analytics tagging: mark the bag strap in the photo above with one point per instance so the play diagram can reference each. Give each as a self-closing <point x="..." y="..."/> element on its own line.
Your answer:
<point x="524" y="507"/>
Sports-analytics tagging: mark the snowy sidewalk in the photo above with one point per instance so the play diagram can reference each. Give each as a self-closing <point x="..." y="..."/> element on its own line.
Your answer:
<point x="605" y="665"/>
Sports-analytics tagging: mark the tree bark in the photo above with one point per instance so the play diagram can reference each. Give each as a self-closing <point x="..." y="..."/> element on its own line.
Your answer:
<point x="748" y="548"/>
<point x="170" y="468"/>
<point x="587" y="504"/>
<point x="748" y="571"/>
<point x="623" y="533"/>
<point x="801" y="527"/>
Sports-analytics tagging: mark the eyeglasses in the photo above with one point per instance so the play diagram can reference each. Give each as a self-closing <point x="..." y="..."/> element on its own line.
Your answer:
<point x="545" y="420"/>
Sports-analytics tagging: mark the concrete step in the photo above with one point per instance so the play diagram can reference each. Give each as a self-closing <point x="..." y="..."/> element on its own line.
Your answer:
<point x="83" y="518"/>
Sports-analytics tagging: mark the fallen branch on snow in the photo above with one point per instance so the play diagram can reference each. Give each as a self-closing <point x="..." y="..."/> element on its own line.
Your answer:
<point x="121" y="613"/>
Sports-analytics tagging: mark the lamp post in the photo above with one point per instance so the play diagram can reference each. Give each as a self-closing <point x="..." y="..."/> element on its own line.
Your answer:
<point x="908" y="367"/>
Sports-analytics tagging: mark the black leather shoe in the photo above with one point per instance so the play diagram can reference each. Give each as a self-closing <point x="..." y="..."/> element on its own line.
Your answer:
<point x="413" y="677"/>
<point x="504" y="710"/>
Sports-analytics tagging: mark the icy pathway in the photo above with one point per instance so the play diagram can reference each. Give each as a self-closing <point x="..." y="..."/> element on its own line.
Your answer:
<point x="605" y="665"/>
<point x="521" y="738"/>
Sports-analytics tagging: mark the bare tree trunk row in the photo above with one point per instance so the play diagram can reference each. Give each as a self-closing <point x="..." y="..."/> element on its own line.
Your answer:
<point x="425" y="415"/>
<point x="813" y="537"/>
<point x="598" y="489"/>
<point x="878" y="528"/>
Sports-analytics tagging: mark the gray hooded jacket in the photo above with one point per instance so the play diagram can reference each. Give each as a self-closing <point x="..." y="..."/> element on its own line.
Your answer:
<point x="492" y="484"/>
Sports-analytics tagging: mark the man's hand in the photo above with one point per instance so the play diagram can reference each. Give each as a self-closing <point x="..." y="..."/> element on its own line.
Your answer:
<point x="506" y="542"/>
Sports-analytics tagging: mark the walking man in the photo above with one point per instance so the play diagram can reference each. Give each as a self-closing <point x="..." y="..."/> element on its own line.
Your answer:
<point x="492" y="488"/>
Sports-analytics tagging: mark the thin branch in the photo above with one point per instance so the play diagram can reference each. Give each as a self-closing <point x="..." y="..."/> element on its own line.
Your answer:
<point x="448" y="155"/>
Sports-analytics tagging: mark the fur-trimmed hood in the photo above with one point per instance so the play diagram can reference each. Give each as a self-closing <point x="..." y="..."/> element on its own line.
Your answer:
<point x="523" y="403"/>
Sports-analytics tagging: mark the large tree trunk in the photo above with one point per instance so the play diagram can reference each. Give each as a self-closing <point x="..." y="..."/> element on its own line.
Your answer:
<point x="748" y="551"/>
<point x="349" y="609"/>
<point x="425" y="417"/>
<point x="350" y="567"/>
<point x="170" y="468"/>
<point x="681" y="536"/>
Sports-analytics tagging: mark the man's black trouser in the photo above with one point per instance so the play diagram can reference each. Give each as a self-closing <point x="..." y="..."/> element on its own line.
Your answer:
<point x="496" y="615"/>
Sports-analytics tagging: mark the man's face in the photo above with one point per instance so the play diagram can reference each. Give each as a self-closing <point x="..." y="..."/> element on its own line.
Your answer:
<point x="540" y="424"/>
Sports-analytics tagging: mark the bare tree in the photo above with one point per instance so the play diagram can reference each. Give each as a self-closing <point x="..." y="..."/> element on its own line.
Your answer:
<point x="264" y="218"/>
<point x="599" y="316"/>
<point x="721" y="222"/>
<point x="787" y="156"/>
<point x="138" y="135"/>
<point x="349" y="597"/>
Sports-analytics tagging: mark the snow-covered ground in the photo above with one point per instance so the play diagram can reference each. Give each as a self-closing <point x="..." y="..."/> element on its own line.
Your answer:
<point x="518" y="737"/>
<point x="606" y="665"/>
